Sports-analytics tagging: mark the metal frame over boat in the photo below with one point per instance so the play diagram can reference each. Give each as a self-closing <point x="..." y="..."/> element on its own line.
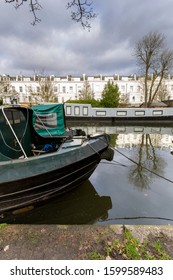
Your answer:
<point x="36" y="166"/>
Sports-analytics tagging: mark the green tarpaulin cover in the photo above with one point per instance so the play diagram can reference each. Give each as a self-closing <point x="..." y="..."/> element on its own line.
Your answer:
<point x="49" y="119"/>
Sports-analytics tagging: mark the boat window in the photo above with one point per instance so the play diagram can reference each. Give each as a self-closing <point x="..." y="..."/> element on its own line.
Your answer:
<point x="76" y="110"/>
<point x="158" y="112"/>
<point x="14" y="117"/>
<point x="85" y="110"/>
<point x="138" y="129"/>
<point x="156" y="129"/>
<point x="100" y="113"/>
<point x="68" y="110"/>
<point x="121" y="129"/>
<point x="139" y="113"/>
<point x="121" y="113"/>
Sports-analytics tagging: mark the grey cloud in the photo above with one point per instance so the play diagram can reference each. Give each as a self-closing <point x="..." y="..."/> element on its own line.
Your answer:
<point x="61" y="46"/>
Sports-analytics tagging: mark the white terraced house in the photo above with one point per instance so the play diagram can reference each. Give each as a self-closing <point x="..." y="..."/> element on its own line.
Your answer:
<point x="21" y="89"/>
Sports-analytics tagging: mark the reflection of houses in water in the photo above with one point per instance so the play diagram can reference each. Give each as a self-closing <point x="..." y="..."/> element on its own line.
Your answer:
<point x="166" y="141"/>
<point x="131" y="140"/>
<point x="130" y="136"/>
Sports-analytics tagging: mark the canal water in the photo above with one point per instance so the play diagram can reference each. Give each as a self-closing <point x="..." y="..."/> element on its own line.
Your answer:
<point x="135" y="188"/>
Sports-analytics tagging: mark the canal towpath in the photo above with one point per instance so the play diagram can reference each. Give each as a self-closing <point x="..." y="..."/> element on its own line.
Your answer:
<point x="86" y="242"/>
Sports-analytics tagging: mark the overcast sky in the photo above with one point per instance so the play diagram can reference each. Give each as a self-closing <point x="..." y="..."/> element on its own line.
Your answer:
<point x="60" y="46"/>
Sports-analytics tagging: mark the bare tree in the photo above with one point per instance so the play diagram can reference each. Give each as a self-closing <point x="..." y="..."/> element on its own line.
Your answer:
<point x="3" y="83"/>
<point x="86" y="93"/>
<point x="155" y="61"/>
<point x="46" y="89"/>
<point x="4" y="86"/>
<point x="42" y="89"/>
<point x="163" y="92"/>
<point x="81" y="10"/>
<point x="6" y="91"/>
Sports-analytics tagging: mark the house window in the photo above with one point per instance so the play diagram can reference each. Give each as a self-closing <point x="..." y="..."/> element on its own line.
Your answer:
<point x="55" y="89"/>
<point x="29" y="89"/>
<point x="131" y="88"/>
<point x="20" y="89"/>
<point x="64" y="89"/>
<point x="123" y="88"/>
<point x="97" y="88"/>
<point x="79" y="88"/>
<point x="71" y="89"/>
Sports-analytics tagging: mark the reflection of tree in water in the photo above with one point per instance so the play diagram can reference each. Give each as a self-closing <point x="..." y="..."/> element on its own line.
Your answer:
<point x="113" y="139"/>
<point x="145" y="157"/>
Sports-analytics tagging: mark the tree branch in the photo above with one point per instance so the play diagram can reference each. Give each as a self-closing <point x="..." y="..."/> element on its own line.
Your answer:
<point x="82" y="11"/>
<point x="34" y="5"/>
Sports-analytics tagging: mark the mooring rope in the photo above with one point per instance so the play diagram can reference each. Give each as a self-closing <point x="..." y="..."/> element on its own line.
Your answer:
<point x="136" y="218"/>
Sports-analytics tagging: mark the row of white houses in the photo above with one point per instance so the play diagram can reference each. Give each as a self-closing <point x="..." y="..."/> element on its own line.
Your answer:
<point x="23" y="89"/>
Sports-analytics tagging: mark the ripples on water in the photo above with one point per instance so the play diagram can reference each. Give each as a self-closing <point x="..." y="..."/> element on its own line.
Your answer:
<point x="136" y="188"/>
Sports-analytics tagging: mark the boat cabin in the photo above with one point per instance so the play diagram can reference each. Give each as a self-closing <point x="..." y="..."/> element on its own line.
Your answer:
<point x="23" y="131"/>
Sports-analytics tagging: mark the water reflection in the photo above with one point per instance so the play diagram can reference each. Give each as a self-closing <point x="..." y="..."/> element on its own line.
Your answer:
<point x="83" y="205"/>
<point x="147" y="163"/>
<point x="141" y="185"/>
<point x="144" y="143"/>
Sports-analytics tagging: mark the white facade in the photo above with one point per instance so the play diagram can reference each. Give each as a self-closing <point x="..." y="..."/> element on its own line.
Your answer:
<point x="27" y="89"/>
